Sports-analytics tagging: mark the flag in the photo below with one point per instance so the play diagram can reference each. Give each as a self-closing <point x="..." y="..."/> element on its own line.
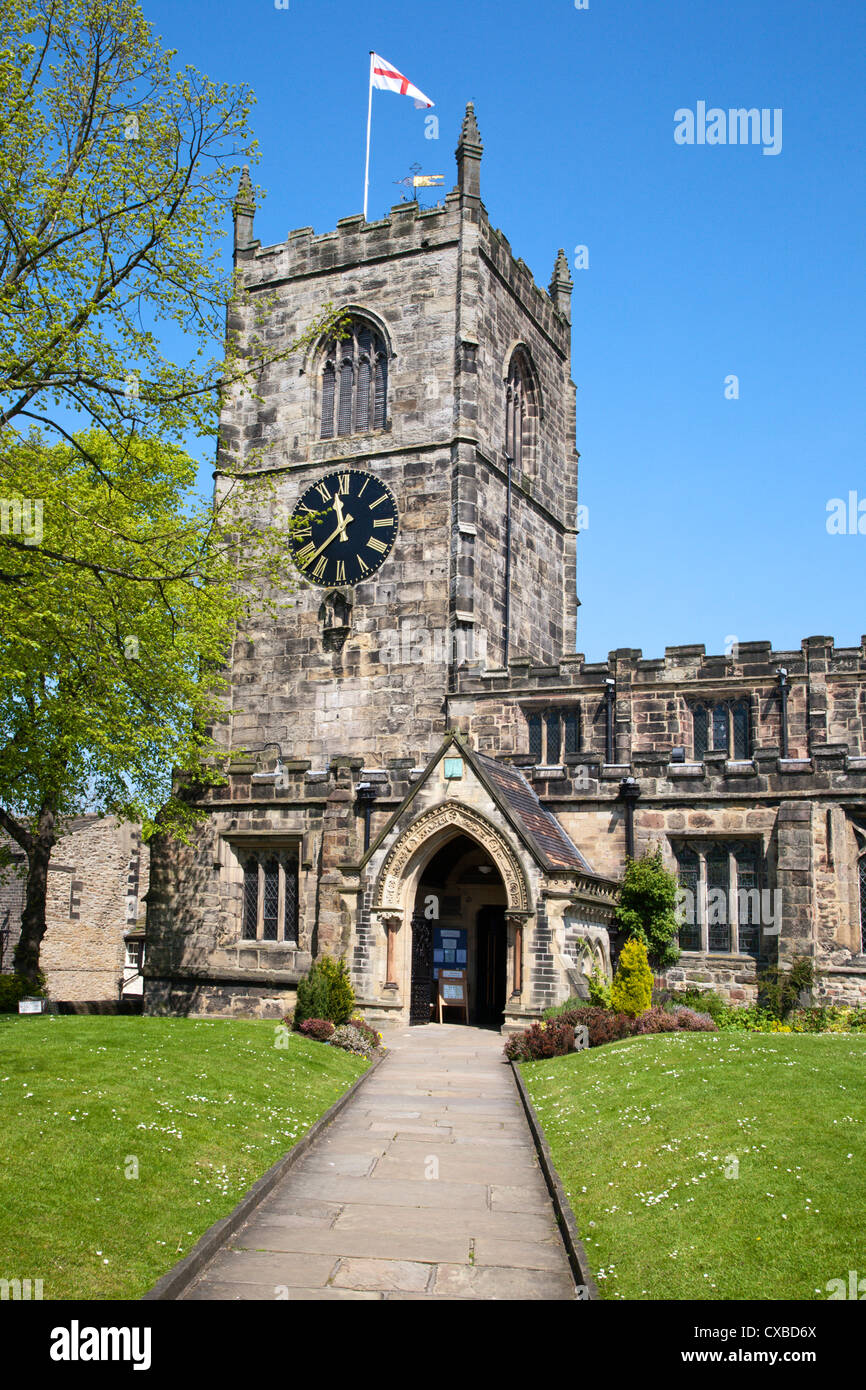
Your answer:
<point x="385" y="78"/>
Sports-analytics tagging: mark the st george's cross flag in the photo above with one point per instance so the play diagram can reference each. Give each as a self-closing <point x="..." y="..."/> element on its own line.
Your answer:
<point x="385" y="78"/>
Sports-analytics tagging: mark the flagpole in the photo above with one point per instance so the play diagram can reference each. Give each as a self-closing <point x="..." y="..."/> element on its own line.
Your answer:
<point x="369" y="118"/>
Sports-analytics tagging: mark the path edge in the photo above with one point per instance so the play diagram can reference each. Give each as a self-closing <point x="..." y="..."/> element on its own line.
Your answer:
<point x="176" y="1280"/>
<point x="575" y="1249"/>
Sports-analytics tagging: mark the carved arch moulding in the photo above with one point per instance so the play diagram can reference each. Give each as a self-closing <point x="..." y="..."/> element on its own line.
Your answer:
<point x="450" y="816"/>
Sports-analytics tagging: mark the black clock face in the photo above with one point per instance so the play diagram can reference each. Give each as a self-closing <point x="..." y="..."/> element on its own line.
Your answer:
<point x="345" y="526"/>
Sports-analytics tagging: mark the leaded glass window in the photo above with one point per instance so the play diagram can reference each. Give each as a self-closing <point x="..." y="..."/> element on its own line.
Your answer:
<point x="535" y="736"/>
<point x="688" y="871"/>
<point x="740" y="721"/>
<point x="718" y="889"/>
<point x="251" y="899"/>
<point x="553" y="734"/>
<point x="721" y="727"/>
<point x="354" y="382"/>
<point x="748" y="899"/>
<point x="723" y="896"/>
<point x="271" y="902"/>
<point x="701" y="724"/>
<point x="270" y="896"/>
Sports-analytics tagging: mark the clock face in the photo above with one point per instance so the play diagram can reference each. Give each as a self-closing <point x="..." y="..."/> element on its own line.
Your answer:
<point x="345" y="526"/>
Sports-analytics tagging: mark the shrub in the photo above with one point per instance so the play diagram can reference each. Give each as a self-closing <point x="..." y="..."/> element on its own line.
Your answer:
<point x="599" y="989"/>
<point x="342" y="993"/>
<point x="602" y="1025"/>
<point x="554" y="1037"/>
<point x="647" y="907"/>
<point x="14" y="988"/>
<point x="631" y="992"/>
<point x="677" y="1020"/>
<point x="557" y="1010"/>
<point x="373" y="1038"/>
<point x="318" y="1028"/>
<point x="325" y="992"/>
<point x="351" y="1039"/>
<point x="779" y="990"/>
<point x="704" y="1001"/>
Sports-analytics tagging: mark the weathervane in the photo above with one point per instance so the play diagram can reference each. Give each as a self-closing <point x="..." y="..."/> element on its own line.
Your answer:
<point x="415" y="179"/>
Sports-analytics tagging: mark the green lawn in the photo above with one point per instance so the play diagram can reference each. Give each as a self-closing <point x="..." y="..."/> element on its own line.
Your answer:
<point x="644" y="1131"/>
<point x="199" y="1110"/>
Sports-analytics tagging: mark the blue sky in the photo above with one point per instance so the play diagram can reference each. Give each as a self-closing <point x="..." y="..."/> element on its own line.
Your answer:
<point x="707" y="515"/>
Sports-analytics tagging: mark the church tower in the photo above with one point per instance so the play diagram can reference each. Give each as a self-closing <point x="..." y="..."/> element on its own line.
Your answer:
<point x="426" y="451"/>
<point x="443" y="424"/>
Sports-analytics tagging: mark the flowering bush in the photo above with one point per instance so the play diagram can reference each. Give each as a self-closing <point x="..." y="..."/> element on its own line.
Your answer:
<point x="373" y="1038"/>
<point x="351" y="1039"/>
<point x="318" y="1028"/>
<point x="552" y="1038"/>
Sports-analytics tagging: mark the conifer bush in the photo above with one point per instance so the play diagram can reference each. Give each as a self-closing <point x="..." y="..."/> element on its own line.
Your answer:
<point x="325" y="992"/>
<point x="632" y="988"/>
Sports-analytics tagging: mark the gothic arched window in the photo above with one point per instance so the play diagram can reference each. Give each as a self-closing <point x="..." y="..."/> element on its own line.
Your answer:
<point x="862" y="868"/>
<point x="354" y="382"/>
<point x="521" y="410"/>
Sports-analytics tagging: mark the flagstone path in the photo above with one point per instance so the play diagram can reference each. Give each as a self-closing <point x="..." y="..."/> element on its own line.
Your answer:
<point x="427" y="1185"/>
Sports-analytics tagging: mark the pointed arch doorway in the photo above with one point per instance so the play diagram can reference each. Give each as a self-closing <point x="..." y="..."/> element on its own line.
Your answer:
<point x="458" y="925"/>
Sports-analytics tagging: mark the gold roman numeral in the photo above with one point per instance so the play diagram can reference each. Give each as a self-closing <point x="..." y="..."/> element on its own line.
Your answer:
<point x="321" y="566"/>
<point x="378" y="500"/>
<point x="343" y="485"/>
<point x="341" y="572"/>
<point x="375" y="544"/>
<point x="322" y="490"/>
<point x="304" y="556"/>
<point x="366" y="485"/>
<point x="364" y="568"/>
<point x="304" y="531"/>
<point x="384" y="521"/>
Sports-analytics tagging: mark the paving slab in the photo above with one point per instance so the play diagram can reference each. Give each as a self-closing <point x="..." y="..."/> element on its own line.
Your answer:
<point x="364" y="1213"/>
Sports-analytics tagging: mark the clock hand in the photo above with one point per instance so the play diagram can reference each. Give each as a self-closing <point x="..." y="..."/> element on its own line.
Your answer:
<point x="340" y="531"/>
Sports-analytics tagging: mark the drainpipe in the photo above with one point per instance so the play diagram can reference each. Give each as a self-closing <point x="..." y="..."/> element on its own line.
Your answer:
<point x="366" y="796"/>
<point x="609" y="691"/>
<point x="783" y="700"/>
<point x="507" y="623"/>
<point x="629" y="792"/>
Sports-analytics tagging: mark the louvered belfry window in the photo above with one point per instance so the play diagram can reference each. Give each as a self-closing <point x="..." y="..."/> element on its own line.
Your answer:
<point x="354" y="382"/>
<point x="520" y="411"/>
<point x="270" y="896"/>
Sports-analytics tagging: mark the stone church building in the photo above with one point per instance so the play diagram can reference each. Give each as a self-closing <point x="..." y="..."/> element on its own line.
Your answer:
<point x="423" y="775"/>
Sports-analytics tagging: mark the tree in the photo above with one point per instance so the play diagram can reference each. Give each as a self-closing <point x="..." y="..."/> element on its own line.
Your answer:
<point x="647" y="903"/>
<point x="116" y="174"/>
<point x="112" y="660"/>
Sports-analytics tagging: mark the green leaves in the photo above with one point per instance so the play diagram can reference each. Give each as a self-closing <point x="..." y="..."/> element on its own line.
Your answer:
<point x="115" y="630"/>
<point x="646" y="908"/>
